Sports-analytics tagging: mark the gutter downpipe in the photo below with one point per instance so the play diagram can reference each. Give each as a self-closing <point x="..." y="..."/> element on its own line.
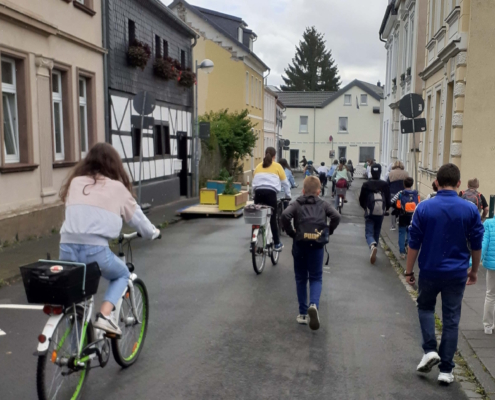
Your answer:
<point x="106" y="87"/>
<point x="196" y="126"/>
<point x="314" y="134"/>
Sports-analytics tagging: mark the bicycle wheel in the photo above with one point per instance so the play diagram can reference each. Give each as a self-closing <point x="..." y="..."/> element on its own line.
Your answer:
<point x="258" y="253"/>
<point x="54" y="379"/>
<point x="126" y="350"/>
<point x="280" y="210"/>
<point x="274" y="255"/>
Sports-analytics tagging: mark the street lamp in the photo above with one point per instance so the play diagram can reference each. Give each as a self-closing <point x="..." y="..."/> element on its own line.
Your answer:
<point x="207" y="66"/>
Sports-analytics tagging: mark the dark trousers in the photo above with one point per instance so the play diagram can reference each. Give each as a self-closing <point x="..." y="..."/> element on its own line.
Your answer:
<point x="308" y="266"/>
<point x="268" y="197"/>
<point x="452" y="292"/>
<point x="373" y="227"/>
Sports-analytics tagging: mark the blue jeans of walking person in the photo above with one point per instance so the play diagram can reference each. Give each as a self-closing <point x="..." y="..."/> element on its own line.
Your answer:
<point x="403" y="238"/>
<point x="373" y="227"/>
<point x="112" y="267"/>
<point x="308" y="266"/>
<point x="452" y="292"/>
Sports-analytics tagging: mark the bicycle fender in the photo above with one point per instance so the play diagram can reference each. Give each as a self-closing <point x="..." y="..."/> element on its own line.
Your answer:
<point x="255" y="235"/>
<point x="48" y="330"/>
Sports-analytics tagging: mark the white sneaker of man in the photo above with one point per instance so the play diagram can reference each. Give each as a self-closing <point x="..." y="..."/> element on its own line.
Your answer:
<point x="314" y="319"/>
<point x="302" y="319"/>
<point x="107" y="324"/>
<point x="374" y="250"/>
<point x="428" y="361"/>
<point x="488" y="330"/>
<point x="445" y="377"/>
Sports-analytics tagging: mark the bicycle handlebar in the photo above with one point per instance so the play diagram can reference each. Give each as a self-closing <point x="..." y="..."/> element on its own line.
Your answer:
<point x="134" y="235"/>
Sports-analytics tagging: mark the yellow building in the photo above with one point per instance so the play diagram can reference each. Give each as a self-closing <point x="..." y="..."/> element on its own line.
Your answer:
<point x="459" y="91"/>
<point x="237" y="82"/>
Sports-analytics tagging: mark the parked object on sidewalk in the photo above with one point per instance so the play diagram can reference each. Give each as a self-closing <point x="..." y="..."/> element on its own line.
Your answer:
<point x="446" y="241"/>
<point x="375" y="201"/>
<point x="472" y="195"/>
<point x="310" y="214"/>
<point x="488" y="260"/>
<point x="208" y="196"/>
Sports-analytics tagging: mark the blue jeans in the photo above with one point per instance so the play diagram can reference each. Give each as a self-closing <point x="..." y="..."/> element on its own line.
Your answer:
<point x="452" y="292"/>
<point x="403" y="238"/>
<point x="112" y="267"/>
<point x="373" y="226"/>
<point x="308" y="265"/>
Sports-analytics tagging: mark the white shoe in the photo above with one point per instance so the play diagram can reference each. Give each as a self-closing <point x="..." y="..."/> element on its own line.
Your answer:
<point x="446" y="377"/>
<point x="314" y="319"/>
<point x="428" y="362"/>
<point x="302" y="319"/>
<point x="374" y="250"/>
<point x="393" y="229"/>
<point x="488" y="331"/>
<point x="107" y="324"/>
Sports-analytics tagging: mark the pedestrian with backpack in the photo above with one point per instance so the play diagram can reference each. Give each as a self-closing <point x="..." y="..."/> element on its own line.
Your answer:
<point x="405" y="202"/>
<point x="375" y="200"/>
<point x="475" y="197"/>
<point x="311" y="234"/>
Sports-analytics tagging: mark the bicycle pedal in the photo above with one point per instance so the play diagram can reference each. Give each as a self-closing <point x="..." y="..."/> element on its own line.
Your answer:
<point x="112" y="336"/>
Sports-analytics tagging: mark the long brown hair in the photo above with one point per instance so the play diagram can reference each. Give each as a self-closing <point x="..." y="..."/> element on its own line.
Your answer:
<point x="103" y="160"/>
<point x="270" y="154"/>
<point x="285" y="165"/>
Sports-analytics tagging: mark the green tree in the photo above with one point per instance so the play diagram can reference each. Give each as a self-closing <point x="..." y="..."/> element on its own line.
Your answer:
<point x="234" y="134"/>
<point x="313" y="68"/>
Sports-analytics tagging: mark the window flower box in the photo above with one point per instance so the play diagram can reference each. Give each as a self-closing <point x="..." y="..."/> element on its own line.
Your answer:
<point x="138" y="54"/>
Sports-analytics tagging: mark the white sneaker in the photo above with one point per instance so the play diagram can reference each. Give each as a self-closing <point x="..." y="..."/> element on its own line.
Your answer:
<point x="446" y="377"/>
<point x="314" y="319"/>
<point x="302" y="319"/>
<point x="428" y="362"/>
<point x="393" y="229"/>
<point x="374" y="250"/>
<point x="488" y="331"/>
<point x="107" y="324"/>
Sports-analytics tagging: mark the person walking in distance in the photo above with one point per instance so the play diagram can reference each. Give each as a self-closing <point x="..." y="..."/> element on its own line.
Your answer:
<point x="435" y="190"/>
<point x="311" y="233"/>
<point x="303" y="162"/>
<point x="375" y="200"/>
<point x="396" y="183"/>
<point x="475" y="197"/>
<point x="330" y="173"/>
<point x="488" y="260"/>
<point x="405" y="202"/>
<point x="447" y="230"/>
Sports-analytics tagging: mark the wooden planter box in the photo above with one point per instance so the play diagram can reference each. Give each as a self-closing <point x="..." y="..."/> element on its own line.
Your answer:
<point x="232" y="202"/>
<point x="220" y="186"/>
<point x="208" y="196"/>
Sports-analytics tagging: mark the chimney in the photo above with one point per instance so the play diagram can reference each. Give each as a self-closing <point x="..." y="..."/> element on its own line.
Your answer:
<point x="379" y="84"/>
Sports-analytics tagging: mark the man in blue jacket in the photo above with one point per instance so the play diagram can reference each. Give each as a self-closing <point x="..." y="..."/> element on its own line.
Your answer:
<point x="447" y="230"/>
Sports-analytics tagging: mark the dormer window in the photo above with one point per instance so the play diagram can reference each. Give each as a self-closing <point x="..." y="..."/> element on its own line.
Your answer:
<point x="240" y="34"/>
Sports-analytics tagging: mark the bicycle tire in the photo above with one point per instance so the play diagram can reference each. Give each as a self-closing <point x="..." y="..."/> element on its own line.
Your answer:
<point x="280" y="210"/>
<point x="46" y="390"/>
<point x="258" y="254"/>
<point x="130" y="335"/>
<point x="275" y="256"/>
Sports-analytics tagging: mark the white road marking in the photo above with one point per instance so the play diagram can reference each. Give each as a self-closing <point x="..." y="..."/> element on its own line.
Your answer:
<point x="20" y="307"/>
<point x="2" y="333"/>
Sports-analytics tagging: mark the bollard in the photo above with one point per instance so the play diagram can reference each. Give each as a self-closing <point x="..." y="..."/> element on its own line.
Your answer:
<point x="492" y="205"/>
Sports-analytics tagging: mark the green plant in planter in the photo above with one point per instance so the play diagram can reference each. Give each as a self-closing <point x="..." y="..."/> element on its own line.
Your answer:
<point x="138" y="54"/>
<point x="230" y="190"/>
<point x="187" y="78"/>
<point x="166" y="68"/>
<point x="223" y="175"/>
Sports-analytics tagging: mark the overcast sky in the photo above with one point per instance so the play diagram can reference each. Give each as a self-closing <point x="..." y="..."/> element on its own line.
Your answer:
<point x="350" y="26"/>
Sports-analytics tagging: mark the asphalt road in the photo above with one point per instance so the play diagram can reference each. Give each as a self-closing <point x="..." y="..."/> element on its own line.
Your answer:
<point x="218" y="331"/>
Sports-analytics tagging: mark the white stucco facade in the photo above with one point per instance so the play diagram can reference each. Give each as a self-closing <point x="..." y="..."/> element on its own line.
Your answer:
<point x="270" y="119"/>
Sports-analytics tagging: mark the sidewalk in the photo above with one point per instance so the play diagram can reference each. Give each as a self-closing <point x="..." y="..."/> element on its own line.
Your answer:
<point x="477" y="348"/>
<point x="11" y="258"/>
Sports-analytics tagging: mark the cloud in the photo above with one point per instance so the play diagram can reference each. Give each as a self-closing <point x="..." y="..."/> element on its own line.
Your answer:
<point x="350" y="27"/>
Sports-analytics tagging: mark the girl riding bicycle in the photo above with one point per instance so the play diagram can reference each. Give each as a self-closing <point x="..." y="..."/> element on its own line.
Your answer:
<point x="97" y="195"/>
<point x="269" y="179"/>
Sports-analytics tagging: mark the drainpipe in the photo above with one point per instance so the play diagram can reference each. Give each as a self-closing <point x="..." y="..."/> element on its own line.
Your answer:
<point x="314" y="134"/>
<point x="266" y="77"/>
<point x="108" y="136"/>
<point x="196" y="143"/>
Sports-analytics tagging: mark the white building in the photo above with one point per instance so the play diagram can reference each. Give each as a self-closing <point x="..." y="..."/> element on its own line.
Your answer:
<point x="270" y="119"/>
<point x="403" y="28"/>
<point x="324" y="126"/>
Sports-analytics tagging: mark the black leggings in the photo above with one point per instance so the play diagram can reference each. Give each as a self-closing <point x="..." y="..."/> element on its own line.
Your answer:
<point x="268" y="197"/>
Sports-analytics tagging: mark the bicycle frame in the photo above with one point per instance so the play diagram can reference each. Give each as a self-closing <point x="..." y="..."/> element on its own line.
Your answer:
<point x="267" y="232"/>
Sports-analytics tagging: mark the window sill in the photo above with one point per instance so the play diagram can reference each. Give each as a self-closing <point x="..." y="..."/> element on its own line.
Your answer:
<point x="344" y="132"/>
<point x="303" y="133"/>
<point x="64" y="164"/>
<point x="364" y="105"/>
<point x="17" y="167"/>
<point x="348" y="105"/>
<point x="84" y="8"/>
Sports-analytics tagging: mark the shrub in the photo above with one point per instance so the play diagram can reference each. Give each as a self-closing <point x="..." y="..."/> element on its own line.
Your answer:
<point x="230" y="190"/>
<point x="187" y="78"/>
<point x="138" y="54"/>
<point x="165" y="68"/>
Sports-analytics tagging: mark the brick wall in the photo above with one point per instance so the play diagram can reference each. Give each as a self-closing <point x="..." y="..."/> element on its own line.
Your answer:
<point x="149" y="20"/>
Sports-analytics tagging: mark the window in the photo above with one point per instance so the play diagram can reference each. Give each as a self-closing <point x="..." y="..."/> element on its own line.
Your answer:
<point x="84" y="5"/>
<point x="303" y="124"/>
<point x="58" y="116"/>
<point x="366" y="153"/>
<point x="411" y="43"/>
<point x="162" y="140"/>
<point x="183" y="59"/>
<point x="247" y="87"/>
<point x="342" y="152"/>
<point x="364" y="99"/>
<point x="9" y="101"/>
<point x="132" y="31"/>
<point x="347" y="100"/>
<point x="260" y="94"/>
<point x="165" y="49"/>
<point x="158" y="46"/>
<point x="404" y="48"/>
<point x="343" y="124"/>
<point x="136" y="142"/>
<point x="240" y="34"/>
<point x="252" y="90"/>
<point x="83" y="115"/>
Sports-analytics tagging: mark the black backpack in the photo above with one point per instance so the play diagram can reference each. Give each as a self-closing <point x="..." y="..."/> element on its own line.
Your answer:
<point x="312" y="226"/>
